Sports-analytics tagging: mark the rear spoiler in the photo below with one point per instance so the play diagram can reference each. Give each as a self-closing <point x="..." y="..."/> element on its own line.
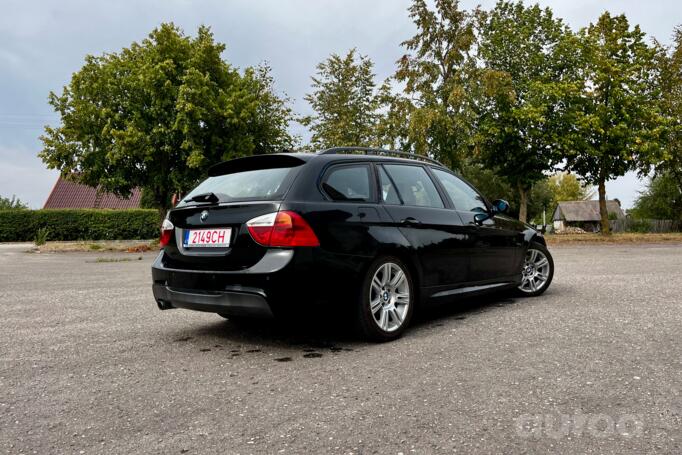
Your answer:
<point x="252" y="163"/>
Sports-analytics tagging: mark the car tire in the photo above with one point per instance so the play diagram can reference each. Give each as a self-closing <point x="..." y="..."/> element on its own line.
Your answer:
<point x="537" y="271"/>
<point x="387" y="300"/>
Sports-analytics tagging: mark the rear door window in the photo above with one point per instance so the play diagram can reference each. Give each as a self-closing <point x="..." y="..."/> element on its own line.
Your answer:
<point x="348" y="183"/>
<point x="389" y="194"/>
<point x="414" y="185"/>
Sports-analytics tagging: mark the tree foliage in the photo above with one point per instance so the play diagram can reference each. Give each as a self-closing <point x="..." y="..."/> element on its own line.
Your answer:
<point x="661" y="200"/>
<point x="671" y="96"/>
<point x="529" y="71"/>
<point x="158" y="113"/>
<point x="567" y="187"/>
<point x="346" y="102"/>
<point x="619" y="124"/>
<point x="393" y="125"/>
<point x="12" y="203"/>
<point x="437" y="73"/>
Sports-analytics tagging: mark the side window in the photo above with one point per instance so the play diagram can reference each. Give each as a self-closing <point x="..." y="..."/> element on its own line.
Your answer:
<point x="414" y="185"/>
<point x="463" y="196"/>
<point x="388" y="192"/>
<point x="348" y="183"/>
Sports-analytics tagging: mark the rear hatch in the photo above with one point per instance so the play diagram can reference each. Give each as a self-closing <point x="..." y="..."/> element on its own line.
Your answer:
<point x="210" y="221"/>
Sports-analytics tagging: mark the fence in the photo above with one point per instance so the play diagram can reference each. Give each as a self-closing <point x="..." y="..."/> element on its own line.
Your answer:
<point x="635" y="225"/>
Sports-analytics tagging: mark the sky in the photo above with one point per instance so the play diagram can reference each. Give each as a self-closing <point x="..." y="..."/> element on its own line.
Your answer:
<point x="42" y="43"/>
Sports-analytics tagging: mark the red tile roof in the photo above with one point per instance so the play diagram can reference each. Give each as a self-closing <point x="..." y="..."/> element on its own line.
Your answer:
<point x="72" y="195"/>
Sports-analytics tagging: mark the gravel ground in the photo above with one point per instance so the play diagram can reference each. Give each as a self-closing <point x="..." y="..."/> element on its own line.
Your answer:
<point x="89" y="365"/>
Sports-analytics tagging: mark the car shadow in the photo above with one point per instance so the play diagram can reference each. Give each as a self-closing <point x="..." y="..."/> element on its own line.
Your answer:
<point x="315" y="335"/>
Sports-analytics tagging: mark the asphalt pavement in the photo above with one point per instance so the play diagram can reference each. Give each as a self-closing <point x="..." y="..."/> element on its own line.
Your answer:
<point x="88" y="364"/>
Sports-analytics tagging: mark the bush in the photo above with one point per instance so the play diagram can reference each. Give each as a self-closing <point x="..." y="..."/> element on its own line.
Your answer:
<point x="79" y="224"/>
<point x="12" y="204"/>
<point x="41" y="236"/>
<point x="639" y="226"/>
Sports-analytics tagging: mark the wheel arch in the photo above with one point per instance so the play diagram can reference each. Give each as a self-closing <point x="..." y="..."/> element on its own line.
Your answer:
<point x="412" y="262"/>
<point x="531" y="235"/>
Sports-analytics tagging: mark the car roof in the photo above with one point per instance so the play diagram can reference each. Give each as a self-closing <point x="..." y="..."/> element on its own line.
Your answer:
<point x="357" y="157"/>
<point x="290" y="159"/>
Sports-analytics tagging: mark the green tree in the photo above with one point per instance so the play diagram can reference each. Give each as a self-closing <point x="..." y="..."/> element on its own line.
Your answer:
<point x="273" y="113"/>
<point x="619" y="125"/>
<point x="528" y="59"/>
<point x="12" y="203"/>
<point x="393" y="124"/>
<point x="662" y="199"/>
<point x="540" y="198"/>
<point x="345" y="101"/>
<point x="671" y="96"/>
<point x="567" y="187"/>
<point x="158" y="113"/>
<point x="437" y="73"/>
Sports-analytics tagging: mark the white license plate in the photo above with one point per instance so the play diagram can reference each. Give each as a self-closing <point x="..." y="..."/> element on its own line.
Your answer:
<point x="206" y="238"/>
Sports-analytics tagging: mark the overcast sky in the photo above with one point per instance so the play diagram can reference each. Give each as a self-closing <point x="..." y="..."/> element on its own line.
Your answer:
<point x="43" y="43"/>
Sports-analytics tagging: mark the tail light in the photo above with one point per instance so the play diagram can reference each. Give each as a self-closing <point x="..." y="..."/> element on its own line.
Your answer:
<point x="167" y="229"/>
<point x="282" y="229"/>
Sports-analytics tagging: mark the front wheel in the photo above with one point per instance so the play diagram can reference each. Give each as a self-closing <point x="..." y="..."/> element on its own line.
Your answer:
<point x="387" y="300"/>
<point x="537" y="270"/>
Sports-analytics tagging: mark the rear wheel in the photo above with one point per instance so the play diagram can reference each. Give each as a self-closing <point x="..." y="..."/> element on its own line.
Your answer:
<point x="537" y="270"/>
<point x="387" y="300"/>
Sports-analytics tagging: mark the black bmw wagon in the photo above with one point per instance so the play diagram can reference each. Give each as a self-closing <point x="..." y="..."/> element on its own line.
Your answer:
<point x="372" y="232"/>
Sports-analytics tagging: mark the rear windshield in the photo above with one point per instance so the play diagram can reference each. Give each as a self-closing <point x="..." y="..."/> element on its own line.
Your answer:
<point x="254" y="185"/>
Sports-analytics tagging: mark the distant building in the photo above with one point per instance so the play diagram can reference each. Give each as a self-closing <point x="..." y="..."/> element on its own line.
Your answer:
<point x="584" y="214"/>
<point x="72" y="195"/>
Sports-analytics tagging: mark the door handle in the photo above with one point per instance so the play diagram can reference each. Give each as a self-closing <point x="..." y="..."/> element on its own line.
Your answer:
<point x="411" y="221"/>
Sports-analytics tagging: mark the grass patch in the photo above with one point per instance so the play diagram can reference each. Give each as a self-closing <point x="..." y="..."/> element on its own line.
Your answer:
<point x="617" y="238"/>
<point x="125" y="246"/>
<point x="41" y="236"/>
<point x="104" y="260"/>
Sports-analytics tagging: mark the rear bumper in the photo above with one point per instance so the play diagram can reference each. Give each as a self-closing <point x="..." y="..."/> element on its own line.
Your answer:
<point x="247" y="292"/>
<point x="239" y="302"/>
<point x="283" y="281"/>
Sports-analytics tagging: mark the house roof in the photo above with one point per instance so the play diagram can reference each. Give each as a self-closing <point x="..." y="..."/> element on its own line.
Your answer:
<point x="71" y="195"/>
<point x="585" y="210"/>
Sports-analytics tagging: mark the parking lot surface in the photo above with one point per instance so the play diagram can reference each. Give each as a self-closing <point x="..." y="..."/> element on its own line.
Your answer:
<point x="88" y="364"/>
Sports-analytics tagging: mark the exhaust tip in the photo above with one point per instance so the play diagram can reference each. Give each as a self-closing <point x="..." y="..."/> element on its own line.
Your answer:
<point x="163" y="305"/>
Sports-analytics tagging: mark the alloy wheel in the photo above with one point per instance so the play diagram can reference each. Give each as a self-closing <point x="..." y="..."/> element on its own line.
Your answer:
<point x="535" y="272"/>
<point x="389" y="297"/>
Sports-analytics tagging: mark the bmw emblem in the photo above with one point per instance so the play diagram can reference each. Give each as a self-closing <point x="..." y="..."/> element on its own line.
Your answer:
<point x="204" y="215"/>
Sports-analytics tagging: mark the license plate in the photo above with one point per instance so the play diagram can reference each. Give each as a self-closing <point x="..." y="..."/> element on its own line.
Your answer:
<point x="207" y="238"/>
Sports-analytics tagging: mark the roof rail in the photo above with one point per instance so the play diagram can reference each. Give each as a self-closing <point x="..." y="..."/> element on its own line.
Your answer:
<point x="377" y="151"/>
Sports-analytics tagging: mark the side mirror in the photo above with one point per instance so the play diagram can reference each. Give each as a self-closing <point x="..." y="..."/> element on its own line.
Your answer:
<point x="479" y="218"/>
<point x="500" y="206"/>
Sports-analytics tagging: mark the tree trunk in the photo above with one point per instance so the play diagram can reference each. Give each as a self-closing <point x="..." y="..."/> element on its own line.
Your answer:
<point x="603" y="212"/>
<point x="523" y="203"/>
<point x="162" y="214"/>
<point x="161" y="199"/>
